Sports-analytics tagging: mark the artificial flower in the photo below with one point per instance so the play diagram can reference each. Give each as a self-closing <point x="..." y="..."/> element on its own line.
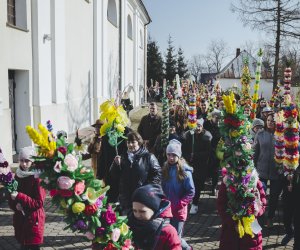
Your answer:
<point x="63" y="150"/>
<point x="90" y="209"/>
<point x="100" y="231"/>
<point x="65" y="182"/>
<point x="57" y="167"/>
<point x="79" y="188"/>
<point x="115" y="234"/>
<point x="78" y="207"/>
<point x="71" y="162"/>
<point x="89" y="235"/>
<point x="109" y="216"/>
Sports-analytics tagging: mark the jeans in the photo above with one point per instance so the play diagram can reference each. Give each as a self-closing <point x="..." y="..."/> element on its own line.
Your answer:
<point x="179" y="227"/>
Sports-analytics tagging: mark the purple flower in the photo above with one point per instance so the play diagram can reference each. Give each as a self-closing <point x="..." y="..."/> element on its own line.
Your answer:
<point x="8" y="178"/>
<point x="246" y="179"/>
<point x="99" y="202"/>
<point x="100" y="231"/>
<point x="81" y="225"/>
<point x="244" y="139"/>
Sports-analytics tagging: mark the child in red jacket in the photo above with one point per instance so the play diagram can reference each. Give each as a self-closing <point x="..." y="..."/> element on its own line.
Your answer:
<point x="149" y="220"/>
<point x="28" y="204"/>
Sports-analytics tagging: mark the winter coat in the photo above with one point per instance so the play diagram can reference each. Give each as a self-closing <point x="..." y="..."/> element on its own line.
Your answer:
<point x="105" y="159"/>
<point x="29" y="228"/>
<point x="149" y="128"/>
<point x="200" y="147"/>
<point x="143" y="170"/>
<point x="156" y="234"/>
<point x="264" y="151"/>
<point x="229" y="239"/>
<point x="180" y="193"/>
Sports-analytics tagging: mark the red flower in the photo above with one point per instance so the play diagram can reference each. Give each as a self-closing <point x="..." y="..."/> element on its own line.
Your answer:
<point x="66" y="193"/>
<point x="63" y="150"/>
<point x="110" y="246"/>
<point x="90" y="209"/>
<point x="53" y="192"/>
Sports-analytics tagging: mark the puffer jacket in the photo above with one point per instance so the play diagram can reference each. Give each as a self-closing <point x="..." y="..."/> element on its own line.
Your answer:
<point x="29" y="227"/>
<point x="180" y="193"/>
<point x="264" y="151"/>
<point x="156" y="234"/>
<point x="143" y="170"/>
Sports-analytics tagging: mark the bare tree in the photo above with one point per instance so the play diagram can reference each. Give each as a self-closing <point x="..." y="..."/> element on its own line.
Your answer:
<point x="217" y="53"/>
<point x="196" y="66"/>
<point x="281" y="18"/>
<point x="250" y="47"/>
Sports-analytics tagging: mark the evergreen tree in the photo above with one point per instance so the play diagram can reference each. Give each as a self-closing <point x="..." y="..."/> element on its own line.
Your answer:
<point x="181" y="64"/>
<point x="154" y="63"/>
<point x="170" y="62"/>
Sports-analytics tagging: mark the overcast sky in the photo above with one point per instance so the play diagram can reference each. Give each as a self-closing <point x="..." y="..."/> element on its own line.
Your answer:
<point x="194" y="23"/>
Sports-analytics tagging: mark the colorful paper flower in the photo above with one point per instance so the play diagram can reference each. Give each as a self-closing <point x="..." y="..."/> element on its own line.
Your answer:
<point x="71" y="162"/>
<point x="65" y="182"/>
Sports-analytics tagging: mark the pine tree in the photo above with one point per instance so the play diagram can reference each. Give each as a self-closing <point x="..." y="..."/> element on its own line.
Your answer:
<point x="170" y="62"/>
<point x="154" y="63"/>
<point x="181" y="64"/>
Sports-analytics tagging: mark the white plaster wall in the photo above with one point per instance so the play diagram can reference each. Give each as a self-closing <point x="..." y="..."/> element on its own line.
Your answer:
<point x="112" y="61"/>
<point x="15" y="53"/>
<point x="79" y="63"/>
<point x="265" y="87"/>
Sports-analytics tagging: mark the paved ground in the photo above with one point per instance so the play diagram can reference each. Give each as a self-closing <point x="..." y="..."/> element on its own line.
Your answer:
<point x="201" y="231"/>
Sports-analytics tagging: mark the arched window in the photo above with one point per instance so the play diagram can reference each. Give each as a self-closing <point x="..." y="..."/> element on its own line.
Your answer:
<point x="141" y="40"/>
<point x="129" y="27"/>
<point x="112" y="12"/>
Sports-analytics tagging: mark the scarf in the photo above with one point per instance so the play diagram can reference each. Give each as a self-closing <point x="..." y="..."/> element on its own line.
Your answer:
<point x="151" y="229"/>
<point x="131" y="154"/>
<point x="22" y="174"/>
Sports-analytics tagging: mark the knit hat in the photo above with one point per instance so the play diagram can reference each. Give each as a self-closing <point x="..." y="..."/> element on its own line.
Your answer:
<point x="216" y="113"/>
<point x="3" y="161"/>
<point x="174" y="147"/>
<point x="26" y="153"/>
<point x="150" y="195"/>
<point x="267" y="109"/>
<point x="200" y="121"/>
<point x="257" y="122"/>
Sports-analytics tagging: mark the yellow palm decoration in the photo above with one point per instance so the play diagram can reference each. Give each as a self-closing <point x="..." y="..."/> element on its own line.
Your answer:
<point x="44" y="140"/>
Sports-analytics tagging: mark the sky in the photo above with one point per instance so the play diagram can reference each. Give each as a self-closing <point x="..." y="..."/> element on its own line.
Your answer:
<point x="193" y="24"/>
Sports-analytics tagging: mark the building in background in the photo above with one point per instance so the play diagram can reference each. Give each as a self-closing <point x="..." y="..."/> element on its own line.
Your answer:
<point x="61" y="58"/>
<point x="231" y="74"/>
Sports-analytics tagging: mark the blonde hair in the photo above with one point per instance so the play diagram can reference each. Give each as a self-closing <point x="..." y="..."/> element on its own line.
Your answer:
<point x="181" y="175"/>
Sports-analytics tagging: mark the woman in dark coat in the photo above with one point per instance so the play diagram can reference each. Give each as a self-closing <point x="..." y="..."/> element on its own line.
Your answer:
<point x="135" y="168"/>
<point x="28" y="205"/>
<point x="230" y="239"/>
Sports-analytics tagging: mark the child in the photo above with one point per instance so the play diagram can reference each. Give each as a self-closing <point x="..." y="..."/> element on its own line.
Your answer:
<point x="27" y="203"/>
<point x="178" y="186"/>
<point x="149" y="221"/>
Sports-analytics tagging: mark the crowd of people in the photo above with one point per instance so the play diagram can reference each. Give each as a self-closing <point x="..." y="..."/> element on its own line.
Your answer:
<point x="157" y="187"/>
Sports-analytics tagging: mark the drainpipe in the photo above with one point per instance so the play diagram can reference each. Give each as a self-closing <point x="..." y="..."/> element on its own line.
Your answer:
<point x="120" y="46"/>
<point x="145" y="60"/>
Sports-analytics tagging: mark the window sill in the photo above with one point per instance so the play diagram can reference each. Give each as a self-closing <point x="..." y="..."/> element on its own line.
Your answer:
<point x="15" y="27"/>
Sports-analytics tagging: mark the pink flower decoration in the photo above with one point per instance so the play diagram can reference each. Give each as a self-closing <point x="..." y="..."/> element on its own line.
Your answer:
<point x="109" y="216"/>
<point x="115" y="234"/>
<point x="71" y="162"/>
<point x="90" y="235"/>
<point x="79" y="188"/>
<point x="64" y="182"/>
<point x="57" y="167"/>
<point x="127" y="244"/>
<point x="224" y="171"/>
<point x="53" y="192"/>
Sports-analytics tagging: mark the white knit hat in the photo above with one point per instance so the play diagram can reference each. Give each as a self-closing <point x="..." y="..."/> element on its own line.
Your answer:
<point x="174" y="147"/>
<point x="26" y="153"/>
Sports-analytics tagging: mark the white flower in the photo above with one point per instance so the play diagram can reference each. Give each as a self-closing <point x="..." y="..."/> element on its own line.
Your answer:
<point x="57" y="167"/>
<point x="71" y="162"/>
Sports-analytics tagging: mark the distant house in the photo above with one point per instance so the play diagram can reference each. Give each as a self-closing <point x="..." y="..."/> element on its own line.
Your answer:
<point x="232" y="73"/>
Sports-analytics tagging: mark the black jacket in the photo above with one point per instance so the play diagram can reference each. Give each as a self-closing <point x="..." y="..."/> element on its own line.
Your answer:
<point x="144" y="169"/>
